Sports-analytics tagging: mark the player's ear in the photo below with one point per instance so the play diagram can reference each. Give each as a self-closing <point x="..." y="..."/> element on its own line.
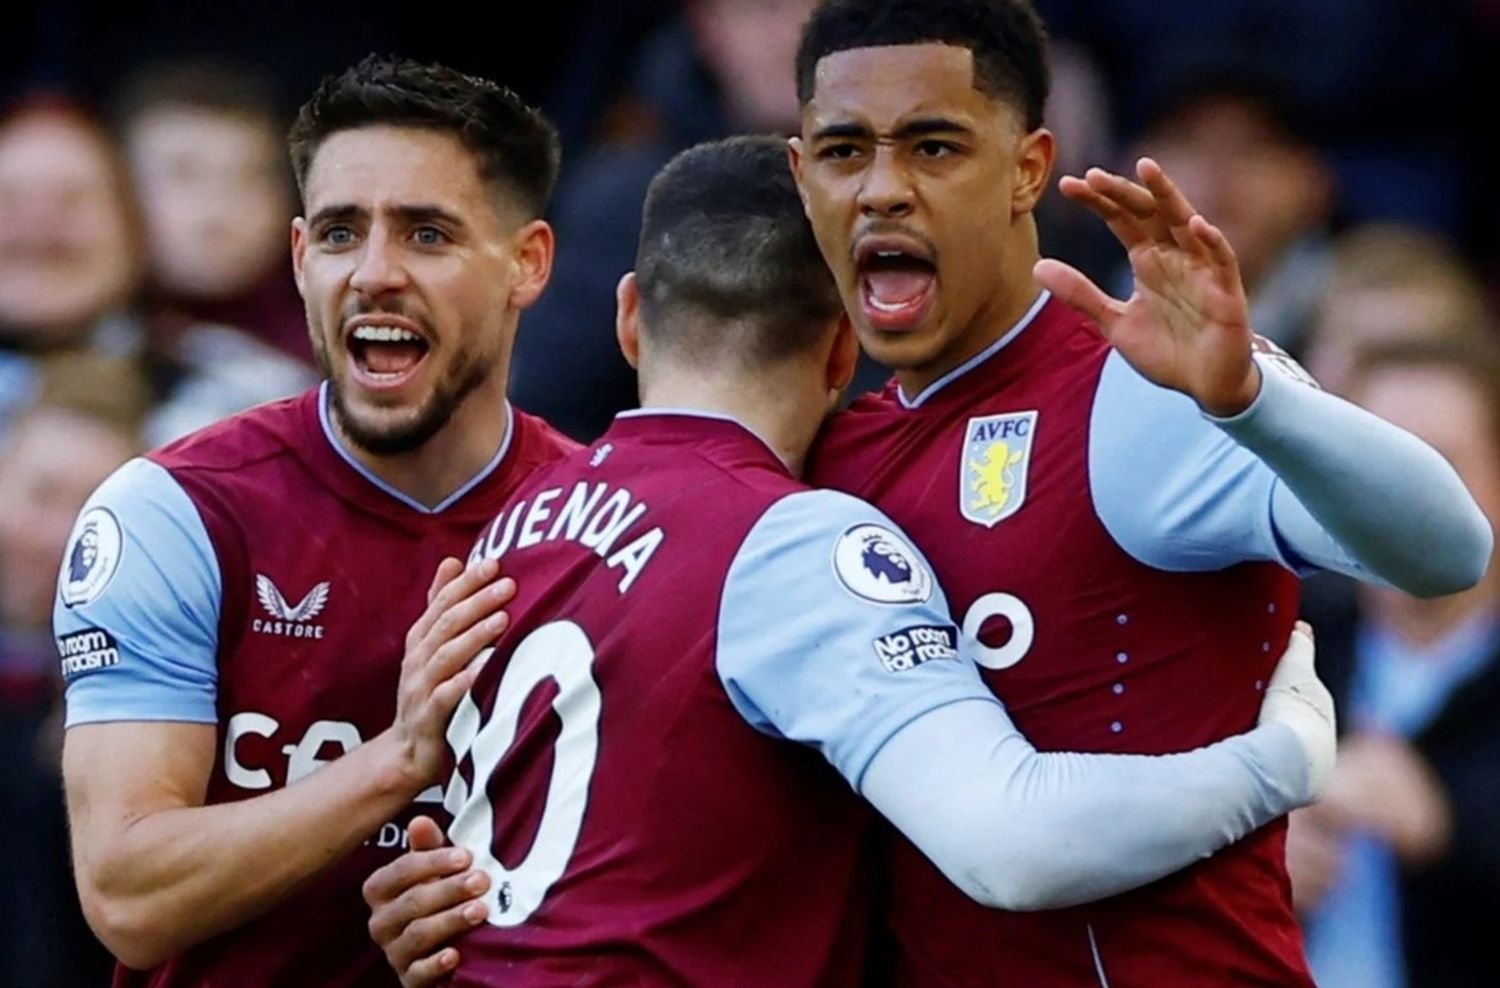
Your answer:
<point x="843" y="358"/>
<point x="1034" y="160"/>
<point x="628" y="319"/>
<point x="299" y="251"/>
<point x="794" y="161"/>
<point x="535" y="245"/>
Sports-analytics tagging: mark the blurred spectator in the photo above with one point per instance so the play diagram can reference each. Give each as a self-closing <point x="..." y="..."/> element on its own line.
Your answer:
<point x="68" y="244"/>
<point x="70" y="279"/>
<point x="1235" y="145"/>
<point x="56" y="452"/>
<point x="722" y="67"/>
<point x="207" y="151"/>
<point x="1397" y="871"/>
<point x="1386" y="284"/>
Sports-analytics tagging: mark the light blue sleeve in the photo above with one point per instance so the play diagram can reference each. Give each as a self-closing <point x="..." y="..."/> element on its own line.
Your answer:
<point x="1302" y="478"/>
<point x="137" y="609"/>
<point x="833" y="631"/>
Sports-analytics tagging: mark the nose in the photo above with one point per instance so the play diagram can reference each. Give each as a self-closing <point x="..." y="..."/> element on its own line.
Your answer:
<point x="380" y="270"/>
<point x="886" y="191"/>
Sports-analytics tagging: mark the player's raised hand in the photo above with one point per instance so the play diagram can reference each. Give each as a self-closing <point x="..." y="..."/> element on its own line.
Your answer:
<point x="1296" y="697"/>
<point x="422" y="900"/>
<point x="445" y="649"/>
<point x="1187" y="324"/>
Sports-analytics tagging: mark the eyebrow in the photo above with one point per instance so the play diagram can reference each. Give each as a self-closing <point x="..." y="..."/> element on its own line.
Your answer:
<point x="412" y="215"/>
<point x="918" y="127"/>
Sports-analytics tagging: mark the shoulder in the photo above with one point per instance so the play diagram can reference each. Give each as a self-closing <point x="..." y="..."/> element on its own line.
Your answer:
<point x="253" y="436"/>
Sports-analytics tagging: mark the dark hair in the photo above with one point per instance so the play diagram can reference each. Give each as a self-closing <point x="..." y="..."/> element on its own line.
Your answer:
<point x="214" y="86"/>
<point x="1007" y="38"/>
<point x="516" y="145"/>
<point x="1196" y="82"/>
<point x="727" y="260"/>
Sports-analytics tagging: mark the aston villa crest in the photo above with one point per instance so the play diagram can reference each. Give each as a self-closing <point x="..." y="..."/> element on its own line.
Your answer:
<point x="993" y="466"/>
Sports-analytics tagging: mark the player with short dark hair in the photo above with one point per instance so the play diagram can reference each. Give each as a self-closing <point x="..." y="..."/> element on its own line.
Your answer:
<point x="1116" y="494"/>
<point x="245" y="738"/>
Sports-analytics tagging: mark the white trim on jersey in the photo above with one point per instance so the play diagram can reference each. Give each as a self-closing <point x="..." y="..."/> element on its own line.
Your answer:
<point x="1098" y="962"/>
<point x="978" y="358"/>
<point x="489" y="468"/>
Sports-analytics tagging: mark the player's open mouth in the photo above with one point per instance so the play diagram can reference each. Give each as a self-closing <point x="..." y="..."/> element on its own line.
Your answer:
<point x="386" y="351"/>
<point x="897" y="283"/>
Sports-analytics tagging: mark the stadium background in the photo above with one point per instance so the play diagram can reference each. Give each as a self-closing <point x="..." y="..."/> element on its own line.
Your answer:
<point x="144" y="287"/>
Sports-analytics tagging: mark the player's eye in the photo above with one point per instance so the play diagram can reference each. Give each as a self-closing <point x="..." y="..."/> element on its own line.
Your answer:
<point x="337" y="235"/>
<point x="837" y="152"/>
<point x="932" y="148"/>
<point x="429" y="236"/>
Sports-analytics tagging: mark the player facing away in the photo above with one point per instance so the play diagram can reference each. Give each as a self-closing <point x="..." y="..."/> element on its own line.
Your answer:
<point x="643" y="766"/>
<point x="249" y="716"/>
<point x="1116" y="495"/>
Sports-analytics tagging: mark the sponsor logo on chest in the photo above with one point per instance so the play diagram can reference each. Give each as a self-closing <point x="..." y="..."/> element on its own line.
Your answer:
<point x="993" y="466"/>
<point x="283" y="620"/>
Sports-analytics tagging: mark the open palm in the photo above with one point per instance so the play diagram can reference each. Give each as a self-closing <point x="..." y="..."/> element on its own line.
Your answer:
<point x="1187" y="324"/>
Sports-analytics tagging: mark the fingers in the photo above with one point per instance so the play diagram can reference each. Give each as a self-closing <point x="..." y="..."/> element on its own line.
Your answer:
<point x="1154" y="210"/>
<point x="429" y="970"/>
<point x="419" y="948"/>
<point x="462" y="585"/>
<point x="1216" y="247"/>
<point x="479" y="614"/>
<point x="424" y="834"/>
<point x="1165" y="198"/>
<point x="447" y="571"/>
<point x="1121" y="223"/>
<point x="1075" y="288"/>
<point x="411" y="869"/>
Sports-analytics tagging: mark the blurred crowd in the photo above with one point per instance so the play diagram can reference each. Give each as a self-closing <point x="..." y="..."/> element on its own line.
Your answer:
<point x="145" y="290"/>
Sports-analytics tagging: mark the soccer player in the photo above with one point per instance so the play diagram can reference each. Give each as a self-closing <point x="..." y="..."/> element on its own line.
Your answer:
<point x="245" y="737"/>
<point x="625" y="777"/>
<point x="1116" y="495"/>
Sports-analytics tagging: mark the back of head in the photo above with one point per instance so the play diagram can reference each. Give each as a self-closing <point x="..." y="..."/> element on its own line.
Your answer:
<point x="727" y="266"/>
<point x="1007" y="38"/>
<point x="516" y="146"/>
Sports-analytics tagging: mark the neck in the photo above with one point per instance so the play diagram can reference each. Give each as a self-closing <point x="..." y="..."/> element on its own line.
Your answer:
<point x="1015" y="292"/>
<point x="1422" y="623"/>
<point x="431" y="473"/>
<point x="786" y="419"/>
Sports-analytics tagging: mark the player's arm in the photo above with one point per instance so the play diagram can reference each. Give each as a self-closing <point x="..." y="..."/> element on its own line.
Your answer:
<point x="1328" y="485"/>
<point x="870" y="671"/>
<point x="1302" y="478"/>
<point x="158" y="871"/>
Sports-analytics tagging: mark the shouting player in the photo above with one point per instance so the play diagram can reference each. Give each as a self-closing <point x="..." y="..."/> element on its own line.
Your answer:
<point x="1116" y="495"/>
<point x="233" y="608"/>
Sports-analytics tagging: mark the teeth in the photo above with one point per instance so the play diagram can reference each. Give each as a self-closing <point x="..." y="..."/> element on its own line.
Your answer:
<point x="883" y="307"/>
<point x="385" y="334"/>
